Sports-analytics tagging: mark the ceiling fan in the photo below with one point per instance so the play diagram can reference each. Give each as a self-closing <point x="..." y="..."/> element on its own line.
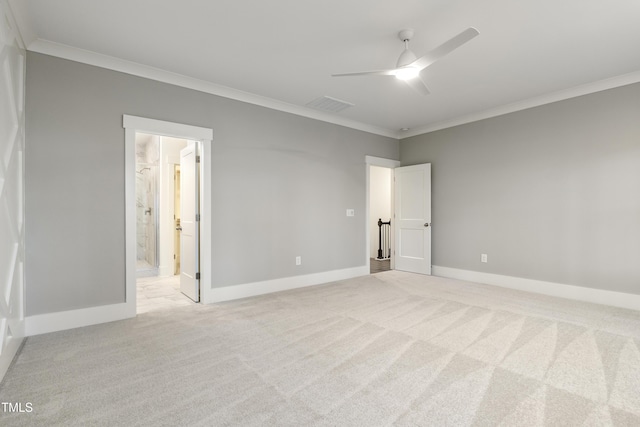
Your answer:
<point x="408" y="67"/>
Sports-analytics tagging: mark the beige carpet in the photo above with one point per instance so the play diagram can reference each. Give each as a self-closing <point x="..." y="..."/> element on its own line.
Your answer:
<point x="389" y="349"/>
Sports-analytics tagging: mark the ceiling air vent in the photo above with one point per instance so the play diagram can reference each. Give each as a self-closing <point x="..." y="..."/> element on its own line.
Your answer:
<point x="327" y="103"/>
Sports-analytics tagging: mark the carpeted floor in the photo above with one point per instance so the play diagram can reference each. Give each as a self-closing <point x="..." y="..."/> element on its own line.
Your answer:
<point x="387" y="349"/>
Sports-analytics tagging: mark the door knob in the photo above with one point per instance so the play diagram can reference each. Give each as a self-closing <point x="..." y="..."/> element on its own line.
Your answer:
<point x="426" y="224"/>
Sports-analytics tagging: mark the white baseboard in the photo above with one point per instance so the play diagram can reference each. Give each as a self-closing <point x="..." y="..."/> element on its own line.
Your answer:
<point x="12" y="346"/>
<point x="229" y="293"/>
<point x="579" y="293"/>
<point x="60" y="321"/>
<point x="53" y="322"/>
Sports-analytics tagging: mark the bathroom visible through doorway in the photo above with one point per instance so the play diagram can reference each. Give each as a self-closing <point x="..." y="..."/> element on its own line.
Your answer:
<point x="158" y="221"/>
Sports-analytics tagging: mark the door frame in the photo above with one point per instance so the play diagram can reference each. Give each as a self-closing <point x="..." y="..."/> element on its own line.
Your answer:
<point x="132" y="125"/>
<point x="385" y="163"/>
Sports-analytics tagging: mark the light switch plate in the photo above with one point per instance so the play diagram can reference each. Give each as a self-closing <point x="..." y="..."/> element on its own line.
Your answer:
<point x="351" y="212"/>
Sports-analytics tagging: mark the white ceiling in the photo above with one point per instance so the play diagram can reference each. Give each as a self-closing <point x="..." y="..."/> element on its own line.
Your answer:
<point x="528" y="51"/>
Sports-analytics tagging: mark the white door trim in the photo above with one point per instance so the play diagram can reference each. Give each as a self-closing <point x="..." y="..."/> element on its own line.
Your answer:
<point x="133" y="124"/>
<point x="385" y="163"/>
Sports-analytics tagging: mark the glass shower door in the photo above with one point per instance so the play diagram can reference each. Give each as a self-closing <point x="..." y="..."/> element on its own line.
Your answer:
<point x="147" y="218"/>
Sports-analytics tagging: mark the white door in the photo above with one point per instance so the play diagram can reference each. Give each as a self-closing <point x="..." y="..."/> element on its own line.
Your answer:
<point x="413" y="218"/>
<point x="189" y="222"/>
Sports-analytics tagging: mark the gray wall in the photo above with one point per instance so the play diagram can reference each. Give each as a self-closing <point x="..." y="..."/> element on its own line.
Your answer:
<point x="281" y="184"/>
<point x="551" y="193"/>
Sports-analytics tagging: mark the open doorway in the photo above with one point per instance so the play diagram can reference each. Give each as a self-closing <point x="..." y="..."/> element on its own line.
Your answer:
<point x="201" y="194"/>
<point x="158" y="222"/>
<point x="380" y="237"/>
<point x="380" y="212"/>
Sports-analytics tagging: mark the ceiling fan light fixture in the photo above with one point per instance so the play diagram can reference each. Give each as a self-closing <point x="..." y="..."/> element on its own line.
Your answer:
<point x="405" y="58"/>
<point x="407" y="73"/>
<point x="409" y="67"/>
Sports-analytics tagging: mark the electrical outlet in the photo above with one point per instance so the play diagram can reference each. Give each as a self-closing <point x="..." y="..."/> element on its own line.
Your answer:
<point x="298" y="260"/>
<point x="351" y="212"/>
<point x="483" y="258"/>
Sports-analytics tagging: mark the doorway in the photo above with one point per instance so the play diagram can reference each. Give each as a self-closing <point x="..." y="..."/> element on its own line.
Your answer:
<point x="380" y="212"/>
<point x="166" y="151"/>
<point x="379" y="204"/>
<point x="410" y="228"/>
<point x="158" y="222"/>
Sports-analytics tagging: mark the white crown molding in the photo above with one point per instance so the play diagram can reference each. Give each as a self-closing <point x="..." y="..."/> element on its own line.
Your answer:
<point x="109" y="62"/>
<point x="572" y="292"/>
<point x="548" y="98"/>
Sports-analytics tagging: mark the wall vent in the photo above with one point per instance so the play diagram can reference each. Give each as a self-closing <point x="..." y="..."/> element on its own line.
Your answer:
<point x="327" y="103"/>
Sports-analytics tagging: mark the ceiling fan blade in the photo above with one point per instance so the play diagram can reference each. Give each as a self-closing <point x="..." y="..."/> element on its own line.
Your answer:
<point x="418" y="85"/>
<point x="445" y="48"/>
<point x="367" y="73"/>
